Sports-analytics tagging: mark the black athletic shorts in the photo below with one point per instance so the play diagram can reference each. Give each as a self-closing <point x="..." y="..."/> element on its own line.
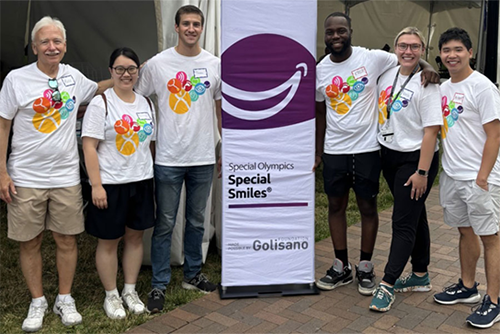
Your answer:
<point x="129" y="205"/>
<point x="361" y="172"/>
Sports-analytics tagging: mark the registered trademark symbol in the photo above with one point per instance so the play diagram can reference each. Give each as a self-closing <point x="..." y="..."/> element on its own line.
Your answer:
<point x="269" y="189"/>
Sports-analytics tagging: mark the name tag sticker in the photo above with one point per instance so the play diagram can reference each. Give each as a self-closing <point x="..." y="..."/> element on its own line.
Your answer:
<point x="68" y="80"/>
<point x="406" y="94"/>
<point x="458" y="98"/>
<point x="359" y="73"/>
<point x="144" y="116"/>
<point x="200" y="73"/>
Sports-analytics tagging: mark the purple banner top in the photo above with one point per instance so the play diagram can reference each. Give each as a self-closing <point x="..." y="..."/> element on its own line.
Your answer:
<point x="268" y="81"/>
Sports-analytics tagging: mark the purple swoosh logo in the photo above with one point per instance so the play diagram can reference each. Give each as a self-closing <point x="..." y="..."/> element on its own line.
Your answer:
<point x="268" y="81"/>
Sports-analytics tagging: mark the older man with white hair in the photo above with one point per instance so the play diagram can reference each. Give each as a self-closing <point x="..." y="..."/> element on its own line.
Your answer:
<point x="41" y="181"/>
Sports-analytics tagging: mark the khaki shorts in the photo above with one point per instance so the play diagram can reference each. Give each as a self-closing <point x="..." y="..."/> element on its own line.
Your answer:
<point x="34" y="210"/>
<point x="465" y="204"/>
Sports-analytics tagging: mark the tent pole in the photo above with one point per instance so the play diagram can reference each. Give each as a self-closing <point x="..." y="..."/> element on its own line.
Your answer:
<point x="429" y="33"/>
<point x="27" y="33"/>
<point x="480" y="45"/>
<point x="491" y="42"/>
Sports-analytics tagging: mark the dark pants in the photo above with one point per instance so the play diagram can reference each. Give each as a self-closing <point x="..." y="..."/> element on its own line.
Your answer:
<point x="410" y="229"/>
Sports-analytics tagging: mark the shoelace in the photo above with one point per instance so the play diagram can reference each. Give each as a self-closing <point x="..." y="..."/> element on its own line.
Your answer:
<point x="362" y="275"/>
<point x="333" y="273"/>
<point x="480" y="308"/>
<point x="451" y="287"/>
<point x="157" y="294"/>
<point x="132" y="298"/>
<point x="382" y="293"/>
<point x="200" y="278"/>
<point x="406" y="278"/>
<point x="36" y="311"/>
<point x="115" y="301"/>
<point x="67" y="307"/>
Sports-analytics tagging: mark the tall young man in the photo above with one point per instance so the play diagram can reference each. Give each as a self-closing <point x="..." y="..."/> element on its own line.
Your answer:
<point x="346" y="142"/>
<point x="470" y="182"/>
<point x="186" y="80"/>
<point x="41" y="182"/>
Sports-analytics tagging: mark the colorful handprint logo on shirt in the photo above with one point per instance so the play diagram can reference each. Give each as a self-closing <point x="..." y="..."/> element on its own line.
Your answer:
<point x="130" y="133"/>
<point x="343" y="93"/>
<point x="399" y="104"/>
<point x="184" y="91"/>
<point x="451" y="112"/>
<point x="49" y="114"/>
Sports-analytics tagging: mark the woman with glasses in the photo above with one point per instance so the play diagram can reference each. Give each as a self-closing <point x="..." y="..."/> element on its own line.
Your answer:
<point x="118" y="130"/>
<point x="409" y="121"/>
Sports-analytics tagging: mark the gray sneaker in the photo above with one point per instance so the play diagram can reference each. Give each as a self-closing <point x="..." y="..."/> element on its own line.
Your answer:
<point x="336" y="276"/>
<point x="366" y="278"/>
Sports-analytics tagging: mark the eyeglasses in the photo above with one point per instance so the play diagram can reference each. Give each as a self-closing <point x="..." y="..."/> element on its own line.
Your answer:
<point x="120" y="69"/>
<point x="404" y="46"/>
<point x="56" y="95"/>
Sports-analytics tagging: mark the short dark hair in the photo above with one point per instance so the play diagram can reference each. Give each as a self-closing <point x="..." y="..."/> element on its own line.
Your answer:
<point x="339" y="14"/>
<point x="455" y="34"/>
<point x="124" y="51"/>
<point x="188" y="9"/>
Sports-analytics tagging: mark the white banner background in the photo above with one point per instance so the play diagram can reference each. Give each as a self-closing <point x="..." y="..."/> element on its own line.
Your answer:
<point x="268" y="237"/>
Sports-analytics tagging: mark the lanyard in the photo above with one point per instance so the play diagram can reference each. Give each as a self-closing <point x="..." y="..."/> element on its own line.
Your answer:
<point x="389" y="102"/>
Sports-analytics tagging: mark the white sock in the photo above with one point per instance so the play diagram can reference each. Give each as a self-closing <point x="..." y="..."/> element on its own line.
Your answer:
<point x="112" y="292"/>
<point x="64" y="298"/>
<point x="39" y="301"/>
<point x="128" y="288"/>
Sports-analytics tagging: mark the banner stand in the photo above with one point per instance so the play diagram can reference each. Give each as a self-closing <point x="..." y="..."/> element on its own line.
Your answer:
<point x="268" y="144"/>
<point x="254" y="291"/>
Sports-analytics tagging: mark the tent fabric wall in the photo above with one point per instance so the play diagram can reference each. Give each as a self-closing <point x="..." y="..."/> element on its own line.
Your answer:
<point x="12" y="28"/>
<point x="93" y="30"/>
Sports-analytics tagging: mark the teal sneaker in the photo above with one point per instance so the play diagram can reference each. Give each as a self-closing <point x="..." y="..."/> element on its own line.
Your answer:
<point x="383" y="298"/>
<point x="412" y="282"/>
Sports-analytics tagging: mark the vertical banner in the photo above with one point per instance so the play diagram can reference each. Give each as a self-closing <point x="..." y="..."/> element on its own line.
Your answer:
<point x="268" y="143"/>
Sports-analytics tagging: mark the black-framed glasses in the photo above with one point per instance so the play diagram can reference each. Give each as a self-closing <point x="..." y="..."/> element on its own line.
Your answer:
<point x="404" y="46"/>
<point x="56" y="95"/>
<point x="120" y="69"/>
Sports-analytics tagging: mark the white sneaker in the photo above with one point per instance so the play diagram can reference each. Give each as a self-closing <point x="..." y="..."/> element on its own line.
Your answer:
<point x="67" y="311"/>
<point x="113" y="305"/>
<point x="34" y="320"/>
<point x="133" y="302"/>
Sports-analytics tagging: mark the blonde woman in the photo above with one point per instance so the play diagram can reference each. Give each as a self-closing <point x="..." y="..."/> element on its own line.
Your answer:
<point x="409" y="121"/>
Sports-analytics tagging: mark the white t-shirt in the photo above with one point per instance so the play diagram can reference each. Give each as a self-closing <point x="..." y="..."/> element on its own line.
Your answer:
<point x="186" y="88"/>
<point x="349" y="90"/>
<point x="44" y="146"/>
<point x="125" y="134"/>
<point x="467" y="105"/>
<point x="415" y="108"/>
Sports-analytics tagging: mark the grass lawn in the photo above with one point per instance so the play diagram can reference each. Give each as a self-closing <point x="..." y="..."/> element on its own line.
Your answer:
<point x="88" y="291"/>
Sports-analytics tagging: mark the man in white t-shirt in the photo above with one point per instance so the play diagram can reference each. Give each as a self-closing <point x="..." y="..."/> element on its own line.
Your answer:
<point x="41" y="182"/>
<point x="346" y="142"/>
<point x="470" y="181"/>
<point x="187" y="81"/>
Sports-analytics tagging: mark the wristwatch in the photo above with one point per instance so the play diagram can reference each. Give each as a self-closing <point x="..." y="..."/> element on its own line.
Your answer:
<point x="422" y="172"/>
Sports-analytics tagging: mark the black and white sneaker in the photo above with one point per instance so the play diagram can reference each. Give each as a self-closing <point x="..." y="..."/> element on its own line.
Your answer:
<point x="200" y="282"/>
<point x="336" y="276"/>
<point x="366" y="278"/>
<point x="156" y="299"/>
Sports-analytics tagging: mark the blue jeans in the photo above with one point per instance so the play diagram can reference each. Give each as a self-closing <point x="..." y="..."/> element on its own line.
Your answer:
<point x="168" y="183"/>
